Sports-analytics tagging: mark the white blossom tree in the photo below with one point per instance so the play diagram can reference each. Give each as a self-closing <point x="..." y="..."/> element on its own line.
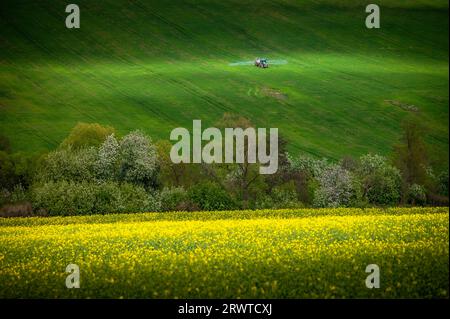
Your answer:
<point x="138" y="159"/>
<point x="335" y="187"/>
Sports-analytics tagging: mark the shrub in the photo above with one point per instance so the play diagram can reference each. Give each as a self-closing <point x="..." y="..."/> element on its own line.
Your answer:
<point x="173" y="199"/>
<point x="313" y="167"/>
<point x="443" y="183"/>
<point x="70" y="198"/>
<point x="371" y="163"/>
<point x="15" y="202"/>
<point x="68" y="165"/>
<point x="380" y="182"/>
<point x="64" y="198"/>
<point x="416" y="194"/>
<point x="19" y="195"/>
<point x="383" y="187"/>
<point x="135" y="199"/>
<point x="7" y="175"/>
<point x="15" y="169"/>
<point x="209" y="196"/>
<point x="282" y="196"/>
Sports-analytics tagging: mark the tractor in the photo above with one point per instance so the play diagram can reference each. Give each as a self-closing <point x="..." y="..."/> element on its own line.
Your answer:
<point x="262" y="63"/>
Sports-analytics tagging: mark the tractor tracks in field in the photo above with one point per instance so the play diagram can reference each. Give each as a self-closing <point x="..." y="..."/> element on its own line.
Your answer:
<point x="179" y="28"/>
<point x="207" y="97"/>
<point x="196" y="91"/>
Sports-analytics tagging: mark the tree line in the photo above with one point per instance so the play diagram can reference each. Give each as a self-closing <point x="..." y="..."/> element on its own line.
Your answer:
<point x="94" y="170"/>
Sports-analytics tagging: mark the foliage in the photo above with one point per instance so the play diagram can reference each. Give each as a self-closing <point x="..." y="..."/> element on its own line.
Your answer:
<point x="16" y="169"/>
<point x="107" y="161"/>
<point x="73" y="198"/>
<point x="311" y="166"/>
<point x="416" y="194"/>
<point x="443" y="183"/>
<point x="210" y="196"/>
<point x="381" y="182"/>
<point x="134" y="160"/>
<point x="282" y="196"/>
<point x="175" y="175"/>
<point x="410" y="154"/>
<point x="336" y="188"/>
<point x="85" y="135"/>
<point x="138" y="160"/>
<point x="68" y="165"/>
<point x="173" y="199"/>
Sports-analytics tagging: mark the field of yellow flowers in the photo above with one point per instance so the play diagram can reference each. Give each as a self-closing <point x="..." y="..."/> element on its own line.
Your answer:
<point x="303" y="253"/>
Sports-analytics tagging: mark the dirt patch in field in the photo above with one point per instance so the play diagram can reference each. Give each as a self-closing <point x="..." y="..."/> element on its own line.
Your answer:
<point x="404" y="106"/>
<point x="273" y="93"/>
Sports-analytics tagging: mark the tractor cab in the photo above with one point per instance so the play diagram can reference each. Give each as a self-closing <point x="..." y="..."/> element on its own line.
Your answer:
<point x="262" y="63"/>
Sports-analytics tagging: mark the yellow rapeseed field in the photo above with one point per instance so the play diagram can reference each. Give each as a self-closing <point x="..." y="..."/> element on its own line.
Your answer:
<point x="308" y="253"/>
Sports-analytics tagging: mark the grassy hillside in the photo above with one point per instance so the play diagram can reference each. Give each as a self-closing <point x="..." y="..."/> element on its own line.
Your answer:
<point x="155" y="66"/>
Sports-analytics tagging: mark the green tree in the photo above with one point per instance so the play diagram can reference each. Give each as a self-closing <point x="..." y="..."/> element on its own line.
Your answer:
<point x="238" y="178"/>
<point x="380" y="181"/>
<point x="175" y="175"/>
<point x="410" y="156"/>
<point x="138" y="163"/>
<point x="86" y="135"/>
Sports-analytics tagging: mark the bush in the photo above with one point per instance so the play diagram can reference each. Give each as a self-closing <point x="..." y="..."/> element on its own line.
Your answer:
<point x="68" y="165"/>
<point x="15" y="170"/>
<point x="416" y="194"/>
<point x="7" y="175"/>
<point x="380" y="182"/>
<point x="70" y="198"/>
<point x="17" y="197"/>
<point x="311" y="166"/>
<point x="209" y="196"/>
<point x="443" y="183"/>
<point x="282" y="196"/>
<point x="383" y="187"/>
<point x="173" y="199"/>
<point x="132" y="160"/>
<point x="134" y="198"/>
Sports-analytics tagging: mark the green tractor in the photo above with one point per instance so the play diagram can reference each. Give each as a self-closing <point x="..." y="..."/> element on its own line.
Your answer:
<point x="261" y="63"/>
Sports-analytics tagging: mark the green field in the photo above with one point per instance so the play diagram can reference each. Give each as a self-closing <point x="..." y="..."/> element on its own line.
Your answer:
<point x="155" y="66"/>
<point x="306" y="253"/>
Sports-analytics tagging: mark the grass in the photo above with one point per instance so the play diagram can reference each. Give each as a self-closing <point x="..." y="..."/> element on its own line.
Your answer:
<point x="157" y="66"/>
<point x="307" y="253"/>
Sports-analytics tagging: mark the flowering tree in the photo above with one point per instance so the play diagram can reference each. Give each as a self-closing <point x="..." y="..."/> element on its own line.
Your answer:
<point x="108" y="155"/>
<point x="137" y="160"/>
<point x="335" y="188"/>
